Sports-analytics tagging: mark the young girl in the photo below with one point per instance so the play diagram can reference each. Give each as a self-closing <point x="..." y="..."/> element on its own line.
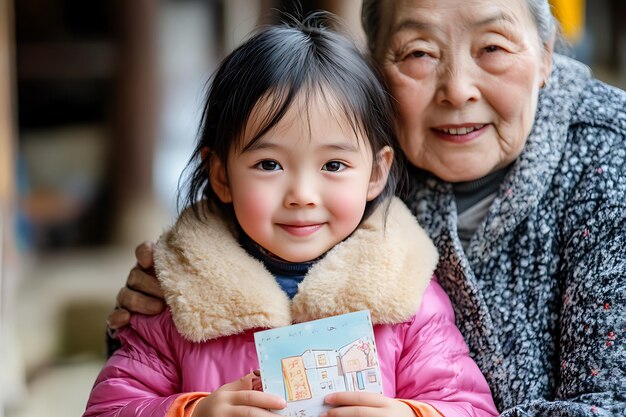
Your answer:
<point x="297" y="222"/>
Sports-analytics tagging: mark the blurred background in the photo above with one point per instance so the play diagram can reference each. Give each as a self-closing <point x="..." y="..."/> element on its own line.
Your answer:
<point x="99" y="106"/>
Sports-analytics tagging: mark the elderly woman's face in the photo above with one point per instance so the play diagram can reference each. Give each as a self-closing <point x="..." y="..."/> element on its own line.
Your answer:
<point x="466" y="75"/>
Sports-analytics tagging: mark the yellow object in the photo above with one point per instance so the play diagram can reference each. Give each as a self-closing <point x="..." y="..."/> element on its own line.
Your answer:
<point x="571" y="16"/>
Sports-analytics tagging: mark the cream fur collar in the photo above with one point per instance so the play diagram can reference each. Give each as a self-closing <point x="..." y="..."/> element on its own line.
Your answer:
<point x="214" y="288"/>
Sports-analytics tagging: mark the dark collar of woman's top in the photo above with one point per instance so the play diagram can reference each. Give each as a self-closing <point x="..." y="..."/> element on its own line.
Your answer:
<point x="468" y="193"/>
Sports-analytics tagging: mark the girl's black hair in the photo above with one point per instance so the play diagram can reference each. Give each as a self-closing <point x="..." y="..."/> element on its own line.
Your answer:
<point x="277" y="64"/>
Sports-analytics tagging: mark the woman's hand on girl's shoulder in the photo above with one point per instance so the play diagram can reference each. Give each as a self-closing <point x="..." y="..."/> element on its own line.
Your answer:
<point x="350" y="404"/>
<point x="142" y="293"/>
<point x="242" y="398"/>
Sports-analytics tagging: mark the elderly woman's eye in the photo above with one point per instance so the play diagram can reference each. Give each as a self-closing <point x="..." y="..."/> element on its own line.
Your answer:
<point x="492" y="48"/>
<point x="417" y="54"/>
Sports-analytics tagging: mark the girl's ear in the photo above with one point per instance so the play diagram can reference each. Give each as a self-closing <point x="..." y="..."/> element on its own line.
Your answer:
<point x="217" y="175"/>
<point x="380" y="173"/>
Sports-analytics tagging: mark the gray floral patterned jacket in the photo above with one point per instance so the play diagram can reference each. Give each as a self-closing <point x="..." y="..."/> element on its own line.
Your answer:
<point x="541" y="295"/>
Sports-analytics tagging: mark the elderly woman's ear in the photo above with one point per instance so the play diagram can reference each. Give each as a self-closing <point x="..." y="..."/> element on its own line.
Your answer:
<point x="548" y="53"/>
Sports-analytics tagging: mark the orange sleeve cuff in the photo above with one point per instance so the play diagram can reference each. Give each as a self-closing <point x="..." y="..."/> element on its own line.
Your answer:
<point x="184" y="405"/>
<point x="422" y="409"/>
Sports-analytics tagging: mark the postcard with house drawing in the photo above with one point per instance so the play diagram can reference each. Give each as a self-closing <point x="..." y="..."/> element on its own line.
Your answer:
<point x="306" y="361"/>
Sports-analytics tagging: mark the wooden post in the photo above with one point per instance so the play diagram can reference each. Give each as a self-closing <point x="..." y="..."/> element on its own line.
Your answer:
<point x="7" y="151"/>
<point x="12" y="378"/>
<point x="350" y="12"/>
<point x="134" y="119"/>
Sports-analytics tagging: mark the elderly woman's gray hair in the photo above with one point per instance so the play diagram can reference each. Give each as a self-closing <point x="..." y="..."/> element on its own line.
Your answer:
<point x="539" y="9"/>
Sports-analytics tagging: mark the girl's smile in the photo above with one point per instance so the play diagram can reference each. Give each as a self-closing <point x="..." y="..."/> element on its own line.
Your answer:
<point x="301" y="230"/>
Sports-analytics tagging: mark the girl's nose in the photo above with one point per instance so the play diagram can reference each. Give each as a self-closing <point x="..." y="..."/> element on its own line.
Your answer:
<point x="302" y="192"/>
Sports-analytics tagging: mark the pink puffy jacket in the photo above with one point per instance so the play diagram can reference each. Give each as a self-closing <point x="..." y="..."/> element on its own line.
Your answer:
<point x="205" y="338"/>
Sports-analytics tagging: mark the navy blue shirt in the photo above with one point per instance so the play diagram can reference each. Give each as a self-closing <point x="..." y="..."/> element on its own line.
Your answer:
<point x="287" y="274"/>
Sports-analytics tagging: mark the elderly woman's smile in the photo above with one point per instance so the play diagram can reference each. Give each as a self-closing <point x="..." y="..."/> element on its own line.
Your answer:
<point x="459" y="133"/>
<point x="466" y="77"/>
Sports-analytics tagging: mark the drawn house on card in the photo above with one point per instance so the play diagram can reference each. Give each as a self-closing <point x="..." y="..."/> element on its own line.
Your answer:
<point x="317" y="373"/>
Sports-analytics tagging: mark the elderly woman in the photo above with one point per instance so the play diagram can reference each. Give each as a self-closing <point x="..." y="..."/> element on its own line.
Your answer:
<point x="518" y="173"/>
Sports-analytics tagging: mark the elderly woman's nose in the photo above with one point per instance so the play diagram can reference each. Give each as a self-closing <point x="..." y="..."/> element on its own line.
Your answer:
<point x="456" y="87"/>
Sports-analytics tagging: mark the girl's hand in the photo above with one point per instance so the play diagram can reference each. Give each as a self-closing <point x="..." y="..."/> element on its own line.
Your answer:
<point x="239" y="399"/>
<point x="365" y="404"/>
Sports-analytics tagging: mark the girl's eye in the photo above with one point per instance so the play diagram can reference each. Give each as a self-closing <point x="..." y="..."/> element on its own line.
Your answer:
<point x="334" y="166"/>
<point x="268" y="165"/>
